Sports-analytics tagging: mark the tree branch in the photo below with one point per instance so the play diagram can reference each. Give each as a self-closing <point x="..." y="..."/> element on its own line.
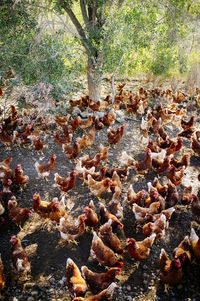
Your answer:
<point x="84" y="13"/>
<point x="50" y="9"/>
<point x="77" y="25"/>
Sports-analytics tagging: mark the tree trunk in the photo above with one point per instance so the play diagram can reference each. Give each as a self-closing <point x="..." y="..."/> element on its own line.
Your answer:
<point x="93" y="77"/>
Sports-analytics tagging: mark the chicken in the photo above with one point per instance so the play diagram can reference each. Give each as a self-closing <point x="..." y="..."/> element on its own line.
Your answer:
<point x="99" y="281"/>
<point x="90" y="136"/>
<point x="74" y="123"/>
<point x="75" y="103"/>
<point x="57" y="210"/>
<point x="109" y="238"/>
<point x="10" y="125"/>
<point x="176" y="176"/>
<point x="2" y="276"/>
<point x="91" y="216"/>
<point x="163" y="134"/>
<point x="42" y="208"/>
<point x="159" y="166"/>
<point x="19" y="178"/>
<point x="172" y="195"/>
<point x="62" y="120"/>
<point x="145" y="138"/>
<point x="162" y="189"/>
<point x="22" y="138"/>
<point x="133" y="197"/>
<point x="158" y="156"/>
<point x="38" y="144"/>
<point x="195" y="207"/>
<point x="74" y="280"/>
<point x="195" y="242"/>
<point x="183" y="252"/>
<point x="5" y="170"/>
<point x="82" y="169"/>
<point x="85" y="101"/>
<point x="186" y="133"/>
<point x="187" y="124"/>
<point x="17" y="214"/>
<point x="195" y="145"/>
<point x="122" y="173"/>
<point x="66" y="184"/>
<point x="140" y="212"/>
<point x="106" y="215"/>
<point x="114" y="136"/>
<point x="139" y="250"/>
<point x="158" y="227"/>
<point x="186" y="197"/>
<point x="19" y="257"/>
<point x="171" y="149"/>
<point x="98" y="122"/>
<point x="164" y="143"/>
<point x="72" y="230"/>
<point x="114" y="206"/>
<point x="97" y="188"/>
<point x="154" y="196"/>
<point x="126" y="160"/>
<point x="94" y="106"/>
<point x="85" y="123"/>
<point x="104" y="151"/>
<point x="167" y="212"/>
<point x="179" y="144"/>
<point x="109" y="118"/>
<point x="183" y="162"/>
<point x="6" y="138"/>
<point x="72" y="152"/>
<point x="115" y="182"/>
<point x="170" y="270"/>
<point x="143" y="167"/>
<point x="153" y="146"/>
<point x="97" y="176"/>
<point x="44" y="170"/>
<point x="104" y="295"/>
<point x="62" y="140"/>
<point x="89" y="163"/>
<point x="6" y="193"/>
<point x="2" y="209"/>
<point x="103" y="254"/>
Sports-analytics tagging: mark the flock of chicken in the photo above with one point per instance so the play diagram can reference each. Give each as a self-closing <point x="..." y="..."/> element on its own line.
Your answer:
<point x="152" y="208"/>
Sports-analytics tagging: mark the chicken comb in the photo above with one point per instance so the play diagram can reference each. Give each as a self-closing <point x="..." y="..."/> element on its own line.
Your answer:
<point x="119" y="263"/>
<point x="9" y="182"/>
<point x="2" y="220"/>
<point x="13" y="239"/>
<point x="35" y="196"/>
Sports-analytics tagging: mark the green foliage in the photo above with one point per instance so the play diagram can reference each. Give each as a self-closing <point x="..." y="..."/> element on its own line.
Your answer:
<point x="137" y="36"/>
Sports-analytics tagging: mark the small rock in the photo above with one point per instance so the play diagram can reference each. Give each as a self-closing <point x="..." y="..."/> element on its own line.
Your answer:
<point x="30" y="299"/>
<point x="128" y="288"/>
<point x="145" y="282"/>
<point x="129" y="298"/>
<point x="34" y="293"/>
<point x="61" y="282"/>
<point x="179" y="287"/>
<point x="52" y="280"/>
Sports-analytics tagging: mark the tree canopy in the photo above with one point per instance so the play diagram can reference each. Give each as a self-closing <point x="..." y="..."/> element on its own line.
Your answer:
<point x="109" y="35"/>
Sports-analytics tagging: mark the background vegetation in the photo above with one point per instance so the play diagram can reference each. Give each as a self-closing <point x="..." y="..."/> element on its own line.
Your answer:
<point x="39" y="41"/>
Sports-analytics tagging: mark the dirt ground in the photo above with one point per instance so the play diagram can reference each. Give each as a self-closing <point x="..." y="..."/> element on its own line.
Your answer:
<point x="48" y="253"/>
